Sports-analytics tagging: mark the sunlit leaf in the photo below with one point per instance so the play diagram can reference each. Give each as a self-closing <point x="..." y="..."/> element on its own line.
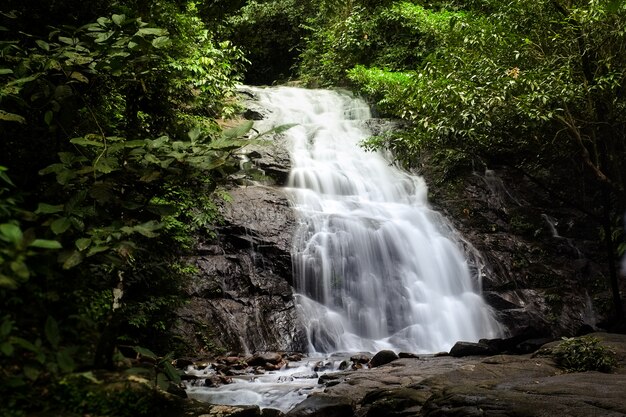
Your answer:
<point x="238" y="131"/>
<point x="152" y="31"/>
<point x="11" y="117"/>
<point x="10" y="232"/>
<point x="60" y="225"/>
<point x="46" y="244"/>
<point x="82" y="243"/>
<point x="118" y="19"/>
<point x="161" y="42"/>
<point x="80" y="77"/>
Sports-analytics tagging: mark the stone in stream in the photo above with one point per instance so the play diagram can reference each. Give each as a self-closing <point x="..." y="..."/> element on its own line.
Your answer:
<point x="360" y="358"/>
<point x="261" y="359"/>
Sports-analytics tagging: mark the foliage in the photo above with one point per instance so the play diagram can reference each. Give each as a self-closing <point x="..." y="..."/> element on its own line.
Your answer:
<point x="270" y="32"/>
<point x="584" y="354"/>
<point x="111" y="153"/>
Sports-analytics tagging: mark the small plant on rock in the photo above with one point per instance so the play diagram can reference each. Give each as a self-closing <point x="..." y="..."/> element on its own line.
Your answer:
<point x="584" y="354"/>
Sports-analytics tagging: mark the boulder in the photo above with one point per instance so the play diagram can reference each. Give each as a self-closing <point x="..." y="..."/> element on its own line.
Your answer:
<point x="461" y="349"/>
<point x="382" y="358"/>
<point x="323" y="406"/>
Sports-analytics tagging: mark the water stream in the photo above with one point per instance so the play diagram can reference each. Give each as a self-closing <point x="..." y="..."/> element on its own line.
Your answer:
<point x="374" y="266"/>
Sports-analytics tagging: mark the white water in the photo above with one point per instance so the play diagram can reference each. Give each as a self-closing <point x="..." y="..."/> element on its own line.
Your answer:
<point x="375" y="267"/>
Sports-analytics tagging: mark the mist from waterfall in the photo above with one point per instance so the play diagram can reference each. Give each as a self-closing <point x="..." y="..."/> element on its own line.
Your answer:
<point x="374" y="266"/>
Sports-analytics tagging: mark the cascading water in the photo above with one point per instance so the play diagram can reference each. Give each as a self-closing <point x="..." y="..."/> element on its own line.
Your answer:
<point x="375" y="267"/>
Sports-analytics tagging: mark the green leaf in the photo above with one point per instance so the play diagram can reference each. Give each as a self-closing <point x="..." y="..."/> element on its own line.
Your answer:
<point x="7" y="282"/>
<point x="238" y="131"/>
<point x="5" y="328"/>
<point x="75" y="258"/>
<point x="51" y="330"/>
<point x="161" y="42"/>
<point x="46" y="244"/>
<point x="103" y="21"/>
<point x="79" y="77"/>
<point x="48" y="117"/>
<point x="118" y="19"/>
<point x="65" y="361"/>
<point x="11" y="117"/>
<point x="6" y="348"/>
<point x="4" y="71"/>
<point x="66" y="40"/>
<point x="86" y="142"/>
<point x="146" y="229"/>
<point x="31" y="372"/>
<point x="20" y="269"/>
<point x="162" y="381"/>
<point x="90" y="377"/>
<point x="145" y="352"/>
<point x="194" y="134"/>
<point x="24" y="344"/>
<point x="83" y="243"/>
<point x="60" y="225"/>
<point x="43" y="45"/>
<point x="171" y="372"/>
<point x="4" y="177"/>
<point x="152" y="31"/>
<point x="10" y="232"/>
<point x="94" y="250"/>
<point x="106" y="165"/>
<point x="44" y="208"/>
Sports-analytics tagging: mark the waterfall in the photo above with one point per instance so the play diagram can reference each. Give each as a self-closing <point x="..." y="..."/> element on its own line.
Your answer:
<point x="374" y="266"/>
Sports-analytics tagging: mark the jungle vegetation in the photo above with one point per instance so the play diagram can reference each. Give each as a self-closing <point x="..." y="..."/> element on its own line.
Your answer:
<point x="112" y="151"/>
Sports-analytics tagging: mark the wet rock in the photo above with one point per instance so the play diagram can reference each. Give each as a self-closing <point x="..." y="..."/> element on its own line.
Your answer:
<point x="534" y="274"/>
<point x="344" y="365"/>
<point x="183" y="363"/>
<point x="408" y="355"/>
<point x="382" y="358"/>
<point x="271" y="412"/>
<point x="260" y="359"/>
<point x="461" y="349"/>
<point x="323" y="366"/>
<point x="495" y="386"/>
<point x="305" y="375"/>
<point x="360" y="358"/>
<point x="323" y="406"/>
<point x="394" y="402"/>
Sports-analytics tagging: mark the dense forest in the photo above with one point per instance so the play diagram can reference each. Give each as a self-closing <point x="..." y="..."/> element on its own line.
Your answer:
<point x="118" y="126"/>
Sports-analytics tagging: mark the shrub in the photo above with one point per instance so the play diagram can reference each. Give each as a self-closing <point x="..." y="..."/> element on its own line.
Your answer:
<point x="584" y="354"/>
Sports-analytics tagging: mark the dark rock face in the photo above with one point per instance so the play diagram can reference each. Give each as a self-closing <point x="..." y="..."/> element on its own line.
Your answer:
<point x="242" y="299"/>
<point x="539" y="271"/>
